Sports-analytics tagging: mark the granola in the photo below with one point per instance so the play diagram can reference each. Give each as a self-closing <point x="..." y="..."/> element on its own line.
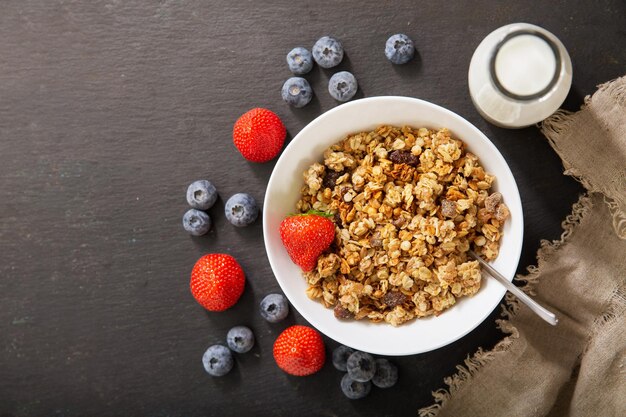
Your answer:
<point x="408" y="204"/>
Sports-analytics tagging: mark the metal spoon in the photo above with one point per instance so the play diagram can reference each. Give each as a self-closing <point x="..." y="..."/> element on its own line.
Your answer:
<point x="521" y="295"/>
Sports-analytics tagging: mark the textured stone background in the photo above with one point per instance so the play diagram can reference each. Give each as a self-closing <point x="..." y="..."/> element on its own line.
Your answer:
<point x="109" y="109"/>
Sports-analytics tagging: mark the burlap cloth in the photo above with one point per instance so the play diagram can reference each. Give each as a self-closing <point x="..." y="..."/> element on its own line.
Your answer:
<point x="577" y="368"/>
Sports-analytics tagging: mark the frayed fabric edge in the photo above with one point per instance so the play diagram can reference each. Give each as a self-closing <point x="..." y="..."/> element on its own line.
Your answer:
<point x="562" y="121"/>
<point x="619" y="217"/>
<point x="616" y="89"/>
<point x="472" y="364"/>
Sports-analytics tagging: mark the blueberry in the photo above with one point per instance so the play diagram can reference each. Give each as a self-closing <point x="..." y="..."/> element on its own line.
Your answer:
<point x="201" y="195"/>
<point x="399" y="49"/>
<point x="196" y="222"/>
<point x="299" y="60"/>
<point x="327" y="52"/>
<point x="340" y="357"/>
<point x="297" y="92"/>
<point x="342" y="86"/>
<point x="355" y="389"/>
<point x="217" y="360"/>
<point x="361" y="366"/>
<point x="274" y="308"/>
<point x="241" y="210"/>
<point x="240" y="339"/>
<point x="386" y="374"/>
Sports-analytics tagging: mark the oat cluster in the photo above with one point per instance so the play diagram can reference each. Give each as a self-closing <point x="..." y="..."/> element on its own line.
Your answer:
<point x="408" y="204"/>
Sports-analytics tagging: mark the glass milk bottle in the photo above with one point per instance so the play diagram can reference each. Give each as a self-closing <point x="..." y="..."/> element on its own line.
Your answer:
<point x="519" y="75"/>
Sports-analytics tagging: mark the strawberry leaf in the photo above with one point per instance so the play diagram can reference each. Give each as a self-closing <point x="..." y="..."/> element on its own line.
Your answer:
<point x="313" y="212"/>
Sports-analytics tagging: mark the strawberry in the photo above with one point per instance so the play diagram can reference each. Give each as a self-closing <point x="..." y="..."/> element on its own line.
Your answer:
<point x="259" y="135"/>
<point x="299" y="350"/>
<point x="217" y="281"/>
<point x="306" y="236"/>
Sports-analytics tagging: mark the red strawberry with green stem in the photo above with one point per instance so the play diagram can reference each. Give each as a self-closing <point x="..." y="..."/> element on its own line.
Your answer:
<point x="217" y="281"/>
<point x="306" y="236"/>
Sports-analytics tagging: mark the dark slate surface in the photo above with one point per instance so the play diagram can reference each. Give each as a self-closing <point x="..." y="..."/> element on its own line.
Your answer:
<point x="109" y="109"/>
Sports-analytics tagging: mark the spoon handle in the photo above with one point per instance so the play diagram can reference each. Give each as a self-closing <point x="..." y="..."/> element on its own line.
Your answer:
<point x="521" y="295"/>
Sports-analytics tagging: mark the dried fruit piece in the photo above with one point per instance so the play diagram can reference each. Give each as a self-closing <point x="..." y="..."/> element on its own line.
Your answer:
<point x="399" y="222"/>
<point x="331" y="177"/>
<point x="492" y="201"/>
<point x="448" y="208"/>
<point x="502" y="212"/>
<point x="342" y="312"/>
<point x="394" y="298"/>
<point x="404" y="157"/>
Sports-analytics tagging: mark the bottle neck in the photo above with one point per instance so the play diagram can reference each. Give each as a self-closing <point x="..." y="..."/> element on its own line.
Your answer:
<point x="525" y="65"/>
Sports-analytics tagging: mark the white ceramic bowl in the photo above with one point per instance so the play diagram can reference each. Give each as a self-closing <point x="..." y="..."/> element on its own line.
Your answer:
<point x="283" y="190"/>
